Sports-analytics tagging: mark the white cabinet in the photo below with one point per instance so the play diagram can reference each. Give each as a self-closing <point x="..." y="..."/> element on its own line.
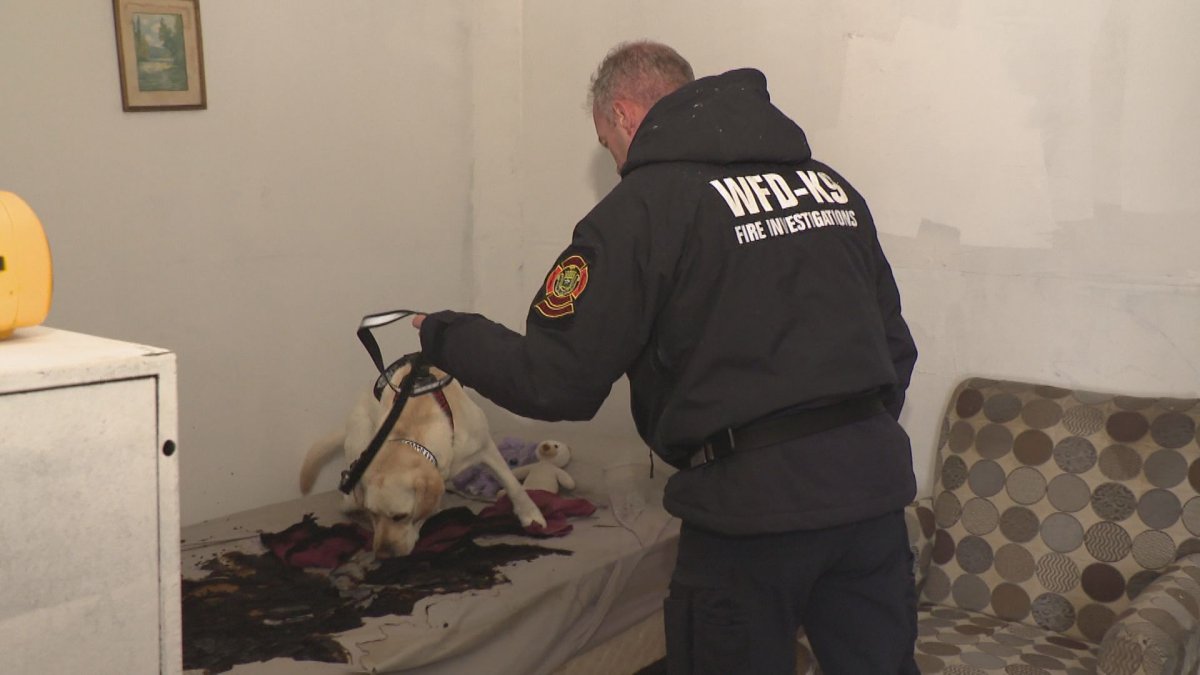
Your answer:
<point x="89" y="506"/>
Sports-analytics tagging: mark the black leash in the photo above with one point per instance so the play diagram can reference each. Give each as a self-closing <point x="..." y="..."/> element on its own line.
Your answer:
<point x="407" y="389"/>
<point x="358" y="467"/>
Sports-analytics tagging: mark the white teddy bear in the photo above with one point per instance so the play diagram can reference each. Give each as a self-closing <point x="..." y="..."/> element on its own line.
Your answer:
<point x="547" y="472"/>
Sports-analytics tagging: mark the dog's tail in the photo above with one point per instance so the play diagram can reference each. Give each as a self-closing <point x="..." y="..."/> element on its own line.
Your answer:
<point x="318" y="454"/>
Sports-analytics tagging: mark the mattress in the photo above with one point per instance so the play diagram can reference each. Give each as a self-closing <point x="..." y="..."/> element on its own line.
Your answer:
<point x="550" y="611"/>
<point x="628" y="652"/>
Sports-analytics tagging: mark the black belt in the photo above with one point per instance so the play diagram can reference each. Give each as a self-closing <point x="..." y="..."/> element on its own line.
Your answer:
<point x="786" y="427"/>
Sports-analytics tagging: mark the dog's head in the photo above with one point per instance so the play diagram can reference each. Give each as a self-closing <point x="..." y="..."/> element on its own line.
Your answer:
<point x="398" y="495"/>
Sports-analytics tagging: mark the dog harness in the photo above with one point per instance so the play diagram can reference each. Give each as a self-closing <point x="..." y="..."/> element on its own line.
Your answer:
<point x="416" y="382"/>
<point x="426" y="384"/>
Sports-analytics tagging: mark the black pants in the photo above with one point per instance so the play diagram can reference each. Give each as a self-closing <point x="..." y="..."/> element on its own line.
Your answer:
<point x="736" y="602"/>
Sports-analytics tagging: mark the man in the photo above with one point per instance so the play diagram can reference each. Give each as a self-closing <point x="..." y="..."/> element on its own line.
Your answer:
<point x="740" y="285"/>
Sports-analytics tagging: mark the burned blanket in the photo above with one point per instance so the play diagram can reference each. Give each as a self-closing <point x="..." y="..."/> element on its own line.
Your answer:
<point x="311" y="583"/>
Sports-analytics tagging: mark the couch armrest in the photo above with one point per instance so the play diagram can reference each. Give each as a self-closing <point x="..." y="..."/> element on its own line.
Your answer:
<point x="1160" y="631"/>
<point x="918" y="516"/>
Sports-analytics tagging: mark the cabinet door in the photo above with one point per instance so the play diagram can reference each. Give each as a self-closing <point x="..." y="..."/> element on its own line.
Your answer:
<point x="79" y="561"/>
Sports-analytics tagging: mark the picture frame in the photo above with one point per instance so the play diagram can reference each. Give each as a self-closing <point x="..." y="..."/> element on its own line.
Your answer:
<point x="160" y="54"/>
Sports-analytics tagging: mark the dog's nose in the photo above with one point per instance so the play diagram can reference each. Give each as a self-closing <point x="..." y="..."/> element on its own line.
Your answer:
<point x="389" y="549"/>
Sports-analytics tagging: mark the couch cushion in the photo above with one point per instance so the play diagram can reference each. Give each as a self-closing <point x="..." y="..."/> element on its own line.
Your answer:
<point x="959" y="642"/>
<point x="1054" y="507"/>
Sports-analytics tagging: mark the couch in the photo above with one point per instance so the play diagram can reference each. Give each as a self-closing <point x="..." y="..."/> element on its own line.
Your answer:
<point x="1062" y="535"/>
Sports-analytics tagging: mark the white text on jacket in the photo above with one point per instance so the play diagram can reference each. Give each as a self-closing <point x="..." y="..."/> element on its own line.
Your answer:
<point x="764" y="192"/>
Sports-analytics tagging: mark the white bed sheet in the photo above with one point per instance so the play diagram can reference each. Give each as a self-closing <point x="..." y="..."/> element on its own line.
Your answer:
<point x="553" y="608"/>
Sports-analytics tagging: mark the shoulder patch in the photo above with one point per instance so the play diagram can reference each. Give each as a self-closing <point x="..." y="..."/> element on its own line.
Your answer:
<point x="564" y="284"/>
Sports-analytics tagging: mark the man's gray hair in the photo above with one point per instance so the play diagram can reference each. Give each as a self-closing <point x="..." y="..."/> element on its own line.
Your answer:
<point x="642" y="71"/>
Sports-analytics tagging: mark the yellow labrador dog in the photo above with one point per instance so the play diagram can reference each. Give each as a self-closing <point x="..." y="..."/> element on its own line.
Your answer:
<point x="405" y="482"/>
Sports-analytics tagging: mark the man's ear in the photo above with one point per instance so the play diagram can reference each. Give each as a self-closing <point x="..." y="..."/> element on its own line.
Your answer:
<point x="627" y="115"/>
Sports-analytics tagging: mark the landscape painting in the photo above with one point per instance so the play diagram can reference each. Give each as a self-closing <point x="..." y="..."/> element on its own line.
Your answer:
<point x="161" y="58"/>
<point x="160" y="55"/>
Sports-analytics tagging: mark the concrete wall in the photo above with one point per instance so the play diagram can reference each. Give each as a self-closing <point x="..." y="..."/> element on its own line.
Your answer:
<point x="327" y="179"/>
<point x="1030" y="167"/>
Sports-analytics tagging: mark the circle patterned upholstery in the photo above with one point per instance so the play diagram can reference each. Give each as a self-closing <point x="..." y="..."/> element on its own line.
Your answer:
<point x="1050" y="502"/>
<point x="1062" y="535"/>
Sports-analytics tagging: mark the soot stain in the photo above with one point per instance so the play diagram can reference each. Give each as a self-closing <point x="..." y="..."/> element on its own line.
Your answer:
<point x="252" y="608"/>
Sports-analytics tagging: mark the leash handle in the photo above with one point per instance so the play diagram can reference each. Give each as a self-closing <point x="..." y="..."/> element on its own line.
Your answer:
<point x="378" y="320"/>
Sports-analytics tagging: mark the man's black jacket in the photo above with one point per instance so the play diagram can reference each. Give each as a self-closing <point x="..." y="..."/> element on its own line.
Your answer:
<point x="729" y="274"/>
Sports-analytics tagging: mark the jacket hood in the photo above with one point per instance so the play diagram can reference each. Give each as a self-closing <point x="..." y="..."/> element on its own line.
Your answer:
<point x="721" y="119"/>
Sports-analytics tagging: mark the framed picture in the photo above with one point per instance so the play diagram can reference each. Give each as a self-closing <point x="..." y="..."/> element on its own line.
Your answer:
<point x="159" y="54"/>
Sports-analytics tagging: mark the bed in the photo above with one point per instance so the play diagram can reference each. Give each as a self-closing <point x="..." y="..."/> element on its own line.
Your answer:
<point x="592" y="606"/>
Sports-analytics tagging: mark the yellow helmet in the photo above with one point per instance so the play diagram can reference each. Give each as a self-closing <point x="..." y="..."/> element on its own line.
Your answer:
<point x="26" y="279"/>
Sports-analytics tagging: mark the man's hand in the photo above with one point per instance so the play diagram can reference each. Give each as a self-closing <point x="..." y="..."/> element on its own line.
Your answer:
<point x="418" y="319"/>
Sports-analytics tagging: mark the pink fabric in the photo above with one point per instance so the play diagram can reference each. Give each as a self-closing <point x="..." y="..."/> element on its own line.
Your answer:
<point x="448" y="527"/>
<point x="307" y="544"/>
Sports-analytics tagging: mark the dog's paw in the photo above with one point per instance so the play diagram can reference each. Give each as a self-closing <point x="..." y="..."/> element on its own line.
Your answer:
<point x="531" y="515"/>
